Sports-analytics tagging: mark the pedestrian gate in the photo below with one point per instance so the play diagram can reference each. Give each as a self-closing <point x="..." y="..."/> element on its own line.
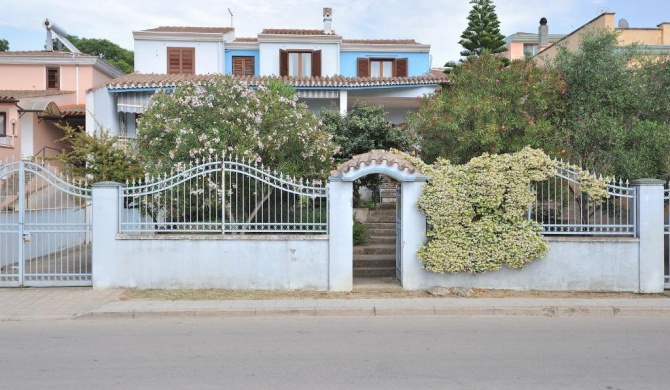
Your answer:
<point x="45" y="227"/>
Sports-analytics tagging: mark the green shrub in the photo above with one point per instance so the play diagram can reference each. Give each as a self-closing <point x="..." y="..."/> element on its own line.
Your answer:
<point x="361" y="233"/>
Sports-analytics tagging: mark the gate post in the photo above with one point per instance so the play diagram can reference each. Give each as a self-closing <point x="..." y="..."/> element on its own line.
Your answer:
<point x="340" y="232"/>
<point x="649" y="229"/>
<point x="105" y="227"/>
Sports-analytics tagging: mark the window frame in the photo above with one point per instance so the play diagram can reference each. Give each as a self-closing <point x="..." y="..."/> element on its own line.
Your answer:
<point x="399" y="66"/>
<point x="315" y="62"/>
<point x="56" y="69"/>
<point x="3" y="125"/>
<point x="381" y="62"/>
<point x="300" y="54"/>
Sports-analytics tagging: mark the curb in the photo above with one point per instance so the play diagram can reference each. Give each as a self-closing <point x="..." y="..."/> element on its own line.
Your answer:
<point x="377" y="311"/>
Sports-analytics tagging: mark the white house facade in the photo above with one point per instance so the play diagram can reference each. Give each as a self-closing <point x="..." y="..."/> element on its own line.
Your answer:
<point x="327" y="70"/>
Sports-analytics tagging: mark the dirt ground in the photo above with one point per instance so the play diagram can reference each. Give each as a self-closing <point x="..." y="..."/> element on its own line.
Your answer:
<point x="211" y="294"/>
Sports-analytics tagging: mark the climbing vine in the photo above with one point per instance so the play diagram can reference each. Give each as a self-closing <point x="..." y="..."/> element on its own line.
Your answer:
<point x="477" y="212"/>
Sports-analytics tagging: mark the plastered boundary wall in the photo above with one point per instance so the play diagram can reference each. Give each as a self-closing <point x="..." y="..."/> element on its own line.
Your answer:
<point x="324" y="262"/>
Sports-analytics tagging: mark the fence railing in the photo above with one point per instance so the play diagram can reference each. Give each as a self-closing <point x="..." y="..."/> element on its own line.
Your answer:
<point x="666" y="236"/>
<point x="224" y="197"/>
<point x="564" y="209"/>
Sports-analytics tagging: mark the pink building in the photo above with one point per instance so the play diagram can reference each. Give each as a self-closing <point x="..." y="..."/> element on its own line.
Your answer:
<point x="39" y="89"/>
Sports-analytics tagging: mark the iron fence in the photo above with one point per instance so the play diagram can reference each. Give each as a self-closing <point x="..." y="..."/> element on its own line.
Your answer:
<point x="666" y="235"/>
<point x="224" y="197"/>
<point x="562" y="208"/>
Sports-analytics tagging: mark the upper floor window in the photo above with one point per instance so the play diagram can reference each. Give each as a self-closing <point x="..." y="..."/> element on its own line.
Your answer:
<point x="382" y="67"/>
<point x="53" y="77"/>
<point x="3" y="124"/>
<point x="243" y="66"/>
<point x="300" y="63"/>
<point x="530" y="48"/>
<point x="181" y="60"/>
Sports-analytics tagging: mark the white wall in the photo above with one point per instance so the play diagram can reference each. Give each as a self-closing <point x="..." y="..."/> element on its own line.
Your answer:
<point x="151" y="56"/>
<point x="573" y="263"/>
<point x="227" y="262"/>
<point x="269" y="55"/>
<point x="101" y="111"/>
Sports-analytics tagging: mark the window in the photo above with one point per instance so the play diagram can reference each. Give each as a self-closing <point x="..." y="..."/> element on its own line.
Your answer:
<point x="382" y="67"/>
<point x="530" y="48"/>
<point x="181" y="60"/>
<point x="243" y="66"/>
<point x="3" y="124"/>
<point x="53" y="77"/>
<point x="300" y="63"/>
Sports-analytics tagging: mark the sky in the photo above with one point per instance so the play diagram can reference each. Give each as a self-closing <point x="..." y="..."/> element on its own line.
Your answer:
<point x="436" y="22"/>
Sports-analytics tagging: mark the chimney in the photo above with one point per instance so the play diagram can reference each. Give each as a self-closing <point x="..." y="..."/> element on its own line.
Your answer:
<point x="543" y="34"/>
<point x="327" y="20"/>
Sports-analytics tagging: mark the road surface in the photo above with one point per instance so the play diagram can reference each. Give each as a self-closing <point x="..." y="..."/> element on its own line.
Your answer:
<point x="338" y="353"/>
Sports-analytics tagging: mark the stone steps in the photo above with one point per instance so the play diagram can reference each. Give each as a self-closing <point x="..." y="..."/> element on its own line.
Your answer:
<point x="377" y="257"/>
<point x="375" y="249"/>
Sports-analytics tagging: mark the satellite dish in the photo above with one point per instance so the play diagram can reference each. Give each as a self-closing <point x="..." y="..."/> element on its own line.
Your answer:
<point x="623" y="23"/>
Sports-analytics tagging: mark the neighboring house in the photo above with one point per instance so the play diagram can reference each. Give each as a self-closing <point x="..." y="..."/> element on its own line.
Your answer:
<point x="40" y="88"/>
<point x="327" y="70"/>
<point x="655" y="39"/>
<point x="522" y="43"/>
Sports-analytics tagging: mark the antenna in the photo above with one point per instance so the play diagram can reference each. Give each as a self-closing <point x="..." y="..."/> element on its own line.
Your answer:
<point x="231" y="17"/>
<point x="623" y="23"/>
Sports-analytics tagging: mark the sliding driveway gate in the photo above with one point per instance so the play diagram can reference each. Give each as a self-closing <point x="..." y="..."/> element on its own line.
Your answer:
<point x="45" y="228"/>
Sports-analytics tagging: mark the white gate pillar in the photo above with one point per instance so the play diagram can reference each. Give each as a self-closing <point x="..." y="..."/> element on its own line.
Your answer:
<point x="649" y="207"/>
<point x="413" y="234"/>
<point x="340" y="231"/>
<point x="105" y="226"/>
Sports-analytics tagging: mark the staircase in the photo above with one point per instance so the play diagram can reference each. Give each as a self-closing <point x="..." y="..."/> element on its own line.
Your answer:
<point x="377" y="257"/>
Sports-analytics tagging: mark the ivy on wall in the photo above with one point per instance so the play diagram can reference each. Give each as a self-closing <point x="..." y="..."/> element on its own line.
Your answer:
<point x="477" y="212"/>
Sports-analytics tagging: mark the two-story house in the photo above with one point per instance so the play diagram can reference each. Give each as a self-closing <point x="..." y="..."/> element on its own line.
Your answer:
<point x="327" y="70"/>
<point x="39" y="89"/>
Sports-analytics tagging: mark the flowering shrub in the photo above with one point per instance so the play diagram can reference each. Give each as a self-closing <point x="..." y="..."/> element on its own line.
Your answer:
<point x="196" y="122"/>
<point x="224" y="119"/>
<point x="477" y="212"/>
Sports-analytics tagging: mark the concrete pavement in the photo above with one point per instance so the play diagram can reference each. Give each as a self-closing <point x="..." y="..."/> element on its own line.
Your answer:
<point x="80" y="302"/>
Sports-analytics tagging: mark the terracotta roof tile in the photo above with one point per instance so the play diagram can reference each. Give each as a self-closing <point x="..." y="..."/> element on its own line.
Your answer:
<point x="212" y="30"/>
<point x="139" y="80"/>
<point x="294" y="31"/>
<point x="375" y="156"/>
<point x="73" y="110"/>
<point x="15" y="95"/>
<point x="246" y="39"/>
<point x="382" y="41"/>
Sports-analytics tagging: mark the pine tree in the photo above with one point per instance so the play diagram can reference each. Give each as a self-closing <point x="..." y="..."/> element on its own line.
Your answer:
<point x="483" y="31"/>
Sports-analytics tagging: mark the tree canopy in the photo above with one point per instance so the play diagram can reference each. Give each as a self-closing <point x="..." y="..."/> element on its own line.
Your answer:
<point x="362" y="129"/>
<point x="4" y="45"/>
<point x="121" y="58"/>
<point x="483" y="31"/>
<point x="201" y="121"/>
<point x="488" y="107"/>
<point x="617" y="110"/>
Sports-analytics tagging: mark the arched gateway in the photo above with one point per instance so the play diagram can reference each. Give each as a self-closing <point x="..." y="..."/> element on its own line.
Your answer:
<point x="412" y="228"/>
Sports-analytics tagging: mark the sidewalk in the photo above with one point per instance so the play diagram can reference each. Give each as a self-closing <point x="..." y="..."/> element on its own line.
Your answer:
<point x="86" y="303"/>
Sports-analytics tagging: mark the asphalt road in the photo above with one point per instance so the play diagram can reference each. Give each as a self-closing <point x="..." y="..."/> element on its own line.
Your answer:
<point x="338" y="353"/>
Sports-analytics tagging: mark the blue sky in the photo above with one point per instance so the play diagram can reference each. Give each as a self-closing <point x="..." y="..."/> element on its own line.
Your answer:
<point x="436" y="22"/>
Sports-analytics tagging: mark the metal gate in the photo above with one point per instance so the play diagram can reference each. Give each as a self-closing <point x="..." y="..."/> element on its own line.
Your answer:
<point x="398" y="231"/>
<point x="45" y="228"/>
